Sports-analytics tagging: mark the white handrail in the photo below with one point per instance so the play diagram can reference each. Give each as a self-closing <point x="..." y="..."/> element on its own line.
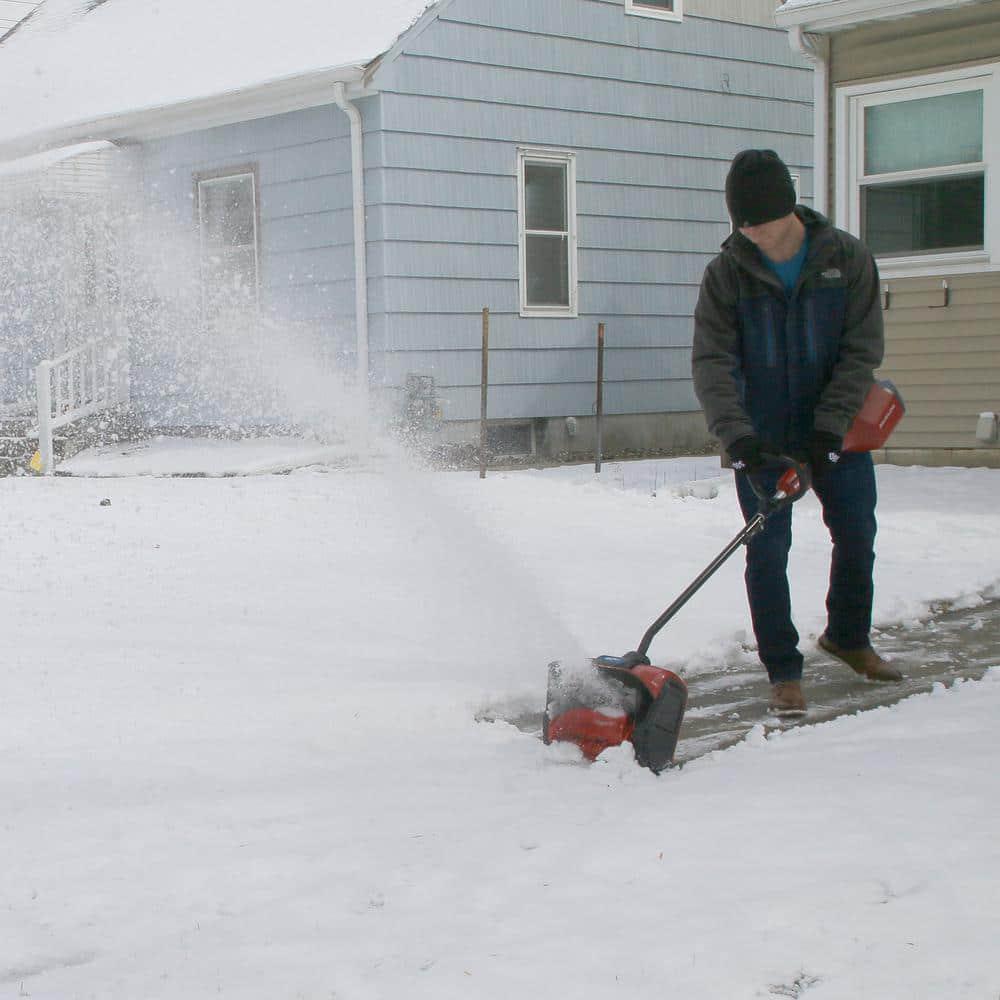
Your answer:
<point x="90" y="378"/>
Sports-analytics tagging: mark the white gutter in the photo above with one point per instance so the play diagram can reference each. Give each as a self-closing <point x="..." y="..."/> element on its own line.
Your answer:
<point x="360" y="241"/>
<point x="261" y="100"/>
<point x="816" y="48"/>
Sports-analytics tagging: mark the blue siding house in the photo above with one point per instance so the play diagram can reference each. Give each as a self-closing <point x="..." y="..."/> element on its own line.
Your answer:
<point x="560" y="163"/>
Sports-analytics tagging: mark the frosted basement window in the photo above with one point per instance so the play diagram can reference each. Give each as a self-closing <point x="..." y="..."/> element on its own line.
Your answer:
<point x="670" y="10"/>
<point x="228" y="242"/>
<point x="547" y="233"/>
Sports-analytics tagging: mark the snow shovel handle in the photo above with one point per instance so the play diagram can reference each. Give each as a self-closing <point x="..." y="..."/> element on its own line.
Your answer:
<point x="792" y="485"/>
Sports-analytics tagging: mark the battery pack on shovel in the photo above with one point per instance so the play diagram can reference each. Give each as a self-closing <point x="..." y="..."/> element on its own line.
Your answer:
<point x="615" y="699"/>
<point x="880" y="412"/>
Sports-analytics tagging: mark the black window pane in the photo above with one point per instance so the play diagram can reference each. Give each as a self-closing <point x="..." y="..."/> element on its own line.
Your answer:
<point x="545" y="196"/>
<point x="924" y="216"/>
<point x="547" y="267"/>
<point x="657" y="4"/>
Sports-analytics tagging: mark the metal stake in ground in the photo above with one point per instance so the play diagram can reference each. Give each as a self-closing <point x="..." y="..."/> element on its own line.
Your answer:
<point x="484" y="386"/>
<point x="599" y="429"/>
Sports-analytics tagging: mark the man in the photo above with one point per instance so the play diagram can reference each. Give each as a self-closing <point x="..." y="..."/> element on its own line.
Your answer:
<point x="788" y="332"/>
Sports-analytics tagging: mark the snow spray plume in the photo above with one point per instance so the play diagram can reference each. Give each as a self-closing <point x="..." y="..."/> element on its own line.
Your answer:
<point x="58" y="277"/>
<point x="220" y="357"/>
<point x="496" y="629"/>
<point x="83" y="256"/>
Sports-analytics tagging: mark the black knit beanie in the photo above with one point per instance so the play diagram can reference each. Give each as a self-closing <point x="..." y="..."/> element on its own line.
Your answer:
<point x="759" y="188"/>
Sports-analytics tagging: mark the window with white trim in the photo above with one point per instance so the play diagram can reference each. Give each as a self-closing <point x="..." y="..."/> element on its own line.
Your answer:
<point x="915" y="159"/>
<point x="546" y="216"/>
<point x="669" y="10"/>
<point x="228" y="241"/>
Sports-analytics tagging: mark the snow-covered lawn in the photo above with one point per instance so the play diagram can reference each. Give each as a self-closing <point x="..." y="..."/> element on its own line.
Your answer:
<point x="239" y="755"/>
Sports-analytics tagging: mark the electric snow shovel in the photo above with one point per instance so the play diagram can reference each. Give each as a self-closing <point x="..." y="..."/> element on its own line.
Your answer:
<point x="625" y="697"/>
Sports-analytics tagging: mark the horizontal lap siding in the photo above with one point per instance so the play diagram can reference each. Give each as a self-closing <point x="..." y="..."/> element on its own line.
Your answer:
<point x="509" y="332"/>
<point x="584" y="130"/>
<point x="745" y="11"/>
<point x="653" y="110"/>
<point x="557" y="399"/>
<point x="600" y="22"/>
<point x="918" y="44"/>
<point x="543" y="366"/>
<point x="945" y="359"/>
<point x="306" y="228"/>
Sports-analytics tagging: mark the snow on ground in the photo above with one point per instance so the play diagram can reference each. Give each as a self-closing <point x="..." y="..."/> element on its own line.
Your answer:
<point x="167" y="456"/>
<point x="239" y="755"/>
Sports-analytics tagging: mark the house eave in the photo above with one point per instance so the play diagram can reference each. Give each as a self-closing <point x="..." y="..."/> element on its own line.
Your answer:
<point x="38" y="162"/>
<point x="828" y="16"/>
<point x="273" y="97"/>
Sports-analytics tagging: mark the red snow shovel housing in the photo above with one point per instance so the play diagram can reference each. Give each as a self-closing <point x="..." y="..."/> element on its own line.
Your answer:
<point x="625" y="697"/>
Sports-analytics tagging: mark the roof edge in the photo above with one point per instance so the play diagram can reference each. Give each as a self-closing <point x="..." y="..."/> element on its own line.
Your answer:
<point x="273" y="97"/>
<point x="39" y="162"/>
<point x="422" y="23"/>
<point x="838" y="15"/>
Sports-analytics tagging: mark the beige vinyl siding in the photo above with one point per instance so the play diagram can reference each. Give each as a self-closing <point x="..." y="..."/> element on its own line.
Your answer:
<point x="945" y="359"/>
<point x="917" y="44"/>
<point x="740" y="11"/>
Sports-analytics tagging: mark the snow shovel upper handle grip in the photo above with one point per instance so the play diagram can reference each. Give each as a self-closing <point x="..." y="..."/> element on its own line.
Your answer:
<point x="792" y="485"/>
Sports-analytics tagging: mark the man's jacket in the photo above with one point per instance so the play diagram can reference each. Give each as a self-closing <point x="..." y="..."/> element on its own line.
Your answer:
<point x="779" y="365"/>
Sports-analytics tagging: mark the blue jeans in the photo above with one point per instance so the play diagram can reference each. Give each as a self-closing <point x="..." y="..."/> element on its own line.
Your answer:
<point x="847" y="494"/>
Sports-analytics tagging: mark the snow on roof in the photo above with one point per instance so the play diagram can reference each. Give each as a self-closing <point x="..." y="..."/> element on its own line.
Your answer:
<point x="12" y="11"/>
<point x="78" y="61"/>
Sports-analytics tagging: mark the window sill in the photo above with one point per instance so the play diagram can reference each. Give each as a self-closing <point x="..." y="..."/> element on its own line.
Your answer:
<point x="528" y="313"/>
<point x="939" y="265"/>
<point x="653" y="12"/>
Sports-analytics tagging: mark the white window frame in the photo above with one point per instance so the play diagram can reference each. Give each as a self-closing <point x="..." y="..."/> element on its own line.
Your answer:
<point x="640" y="9"/>
<point x="219" y="176"/>
<point x="851" y="102"/>
<point x="560" y="157"/>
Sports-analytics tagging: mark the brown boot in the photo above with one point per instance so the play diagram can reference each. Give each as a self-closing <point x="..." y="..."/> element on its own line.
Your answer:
<point x="864" y="661"/>
<point x="787" y="698"/>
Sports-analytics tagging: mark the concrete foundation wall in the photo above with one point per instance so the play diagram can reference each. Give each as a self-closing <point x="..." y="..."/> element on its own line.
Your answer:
<point x="939" y="458"/>
<point x="560" y="437"/>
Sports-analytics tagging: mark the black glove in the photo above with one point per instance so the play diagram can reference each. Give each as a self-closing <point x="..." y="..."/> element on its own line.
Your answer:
<point x="824" y="451"/>
<point x="746" y="453"/>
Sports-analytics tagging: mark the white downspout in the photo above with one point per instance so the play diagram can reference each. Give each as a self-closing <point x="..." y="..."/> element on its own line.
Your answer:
<point x="816" y="48"/>
<point x="360" y="243"/>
